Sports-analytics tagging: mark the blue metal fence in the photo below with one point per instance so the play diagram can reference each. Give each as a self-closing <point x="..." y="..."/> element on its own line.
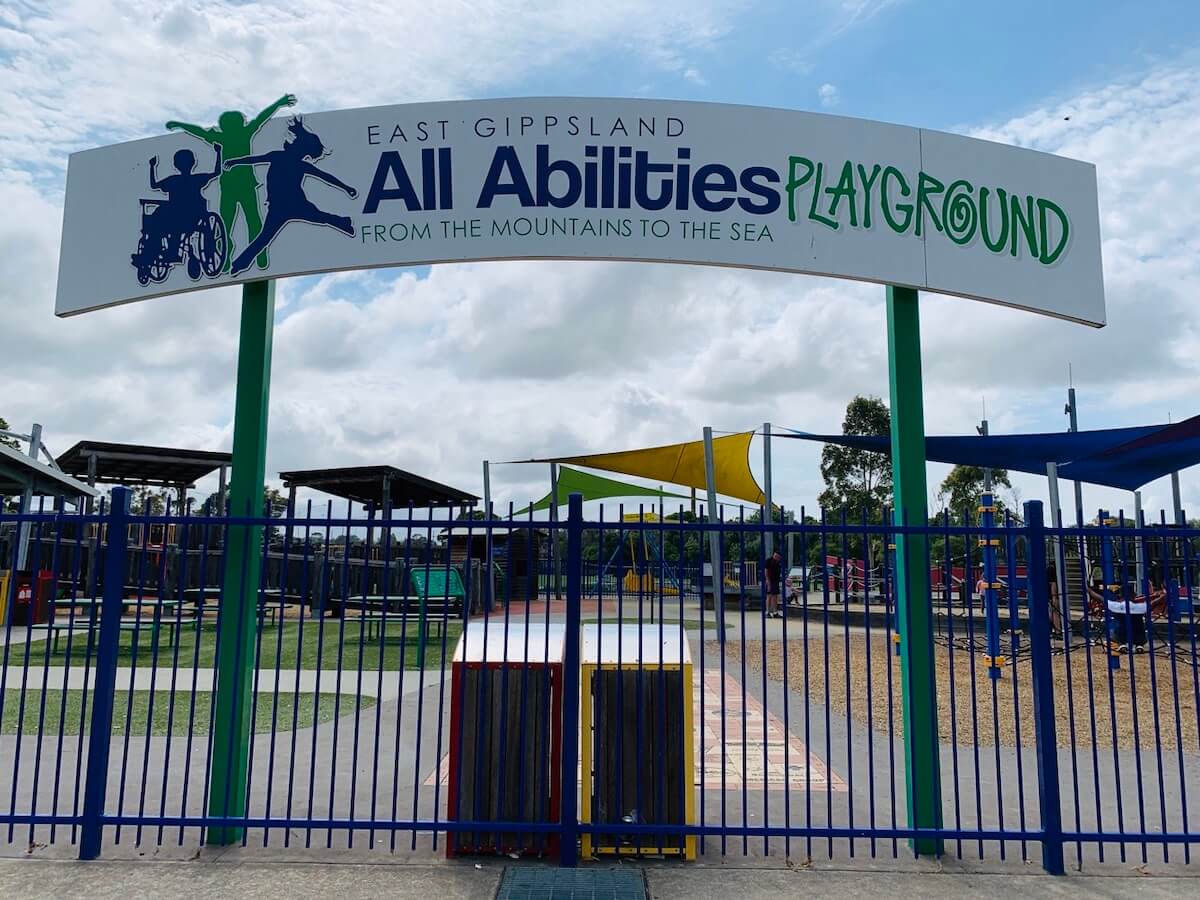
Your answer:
<point x="713" y="729"/>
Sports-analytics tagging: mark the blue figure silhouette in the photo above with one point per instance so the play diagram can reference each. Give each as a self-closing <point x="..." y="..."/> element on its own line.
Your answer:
<point x="180" y="228"/>
<point x="286" y="201"/>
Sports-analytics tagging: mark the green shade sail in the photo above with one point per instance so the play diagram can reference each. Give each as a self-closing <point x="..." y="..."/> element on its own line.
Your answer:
<point x="593" y="487"/>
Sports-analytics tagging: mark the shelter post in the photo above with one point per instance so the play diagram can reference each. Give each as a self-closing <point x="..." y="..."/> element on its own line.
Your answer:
<point x="221" y="484"/>
<point x="1176" y="499"/>
<point x="769" y="543"/>
<point x="714" y="536"/>
<point x="914" y="607"/>
<point x="94" y="528"/>
<point x="238" y="619"/>
<point x="35" y="441"/>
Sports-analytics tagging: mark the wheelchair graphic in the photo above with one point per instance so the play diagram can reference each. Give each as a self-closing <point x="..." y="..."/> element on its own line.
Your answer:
<point x="201" y="244"/>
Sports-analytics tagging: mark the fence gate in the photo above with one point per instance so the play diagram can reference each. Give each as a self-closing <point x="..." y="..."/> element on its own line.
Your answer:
<point x="423" y="685"/>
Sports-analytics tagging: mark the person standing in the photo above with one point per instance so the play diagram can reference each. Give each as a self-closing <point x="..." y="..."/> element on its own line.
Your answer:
<point x="773" y="571"/>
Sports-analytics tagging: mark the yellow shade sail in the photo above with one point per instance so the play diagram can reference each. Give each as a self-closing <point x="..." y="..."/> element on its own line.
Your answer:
<point x="683" y="464"/>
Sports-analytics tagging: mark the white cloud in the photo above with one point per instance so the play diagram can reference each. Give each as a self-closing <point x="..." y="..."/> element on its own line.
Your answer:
<point x="99" y="71"/>
<point x="825" y="21"/>
<point x="512" y="360"/>
<point x="828" y="94"/>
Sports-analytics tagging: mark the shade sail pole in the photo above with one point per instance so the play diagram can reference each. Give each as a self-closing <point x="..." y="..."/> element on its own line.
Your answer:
<point x="1176" y="499"/>
<point x="914" y="612"/>
<point x="714" y="536"/>
<point x="1060" y="562"/>
<point x="767" y="509"/>
<point x="554" y="531"/>
<point x="1074" y="420"/>
<point x="487" y="515"/>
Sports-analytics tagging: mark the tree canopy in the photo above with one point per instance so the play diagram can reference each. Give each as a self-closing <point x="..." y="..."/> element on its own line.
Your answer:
<point x="7" y="442"/>
<point x="857" y="480"/>
<point x="961" y="489"/>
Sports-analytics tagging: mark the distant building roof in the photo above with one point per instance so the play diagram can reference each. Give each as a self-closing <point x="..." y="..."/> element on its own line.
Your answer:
<point x="373" y="484"/>
<point x="18" y="472"/>
<point x="137" y="464"/>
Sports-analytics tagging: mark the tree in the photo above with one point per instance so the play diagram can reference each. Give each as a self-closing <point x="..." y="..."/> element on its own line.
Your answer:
<point x="8" y="442"/>
<point x="273" y="500"/>
<point x="858" y="481"/>
<point x="149" y="501"/>
<point x="961" y="489"/>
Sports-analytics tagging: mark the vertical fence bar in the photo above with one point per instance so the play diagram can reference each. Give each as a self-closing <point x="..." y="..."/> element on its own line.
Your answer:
<point x="569" y="834"/>
<point x="1049" y="801"/>
<point x="100" y="739"/>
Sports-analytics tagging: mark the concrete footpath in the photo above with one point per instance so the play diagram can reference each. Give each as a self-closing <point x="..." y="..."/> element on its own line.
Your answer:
<point x="246" y="878"/>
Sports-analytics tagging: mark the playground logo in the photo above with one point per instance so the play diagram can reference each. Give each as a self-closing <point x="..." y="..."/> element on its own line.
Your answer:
<point x="182" y="230"/>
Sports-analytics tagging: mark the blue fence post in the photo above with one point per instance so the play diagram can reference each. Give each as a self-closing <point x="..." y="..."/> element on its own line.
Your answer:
<point x="99" y="740"/>
<point x="1049" y="800"/>
<point x="569" y="821"/>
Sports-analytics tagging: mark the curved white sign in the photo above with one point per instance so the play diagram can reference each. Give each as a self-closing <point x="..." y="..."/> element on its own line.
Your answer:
<point x="273" y="195"/>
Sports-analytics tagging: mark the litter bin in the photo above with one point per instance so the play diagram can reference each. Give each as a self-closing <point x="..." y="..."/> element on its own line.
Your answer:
<point x="637" y="741"/>
<point x="31" y="603"/>
<point x="505" y="735"/>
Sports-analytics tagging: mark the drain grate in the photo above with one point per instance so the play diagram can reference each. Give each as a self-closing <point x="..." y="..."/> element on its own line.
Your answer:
<point x="544" y="883"/>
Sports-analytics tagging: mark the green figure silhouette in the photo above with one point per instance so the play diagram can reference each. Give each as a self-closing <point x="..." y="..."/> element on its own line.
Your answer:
<point x="239" y="187"/>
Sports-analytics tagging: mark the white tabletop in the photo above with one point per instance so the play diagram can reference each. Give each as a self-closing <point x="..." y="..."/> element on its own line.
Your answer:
<point x="538" y="644"/>
<point x="627" y="644"/>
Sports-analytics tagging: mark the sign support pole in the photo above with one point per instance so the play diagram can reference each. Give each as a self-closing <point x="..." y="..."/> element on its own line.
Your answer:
<point x="238" y="620"/>
<point x="922" y="767"/>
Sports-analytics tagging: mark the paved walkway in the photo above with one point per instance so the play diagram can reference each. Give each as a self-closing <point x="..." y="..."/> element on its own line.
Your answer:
<point x="234" y="875"/>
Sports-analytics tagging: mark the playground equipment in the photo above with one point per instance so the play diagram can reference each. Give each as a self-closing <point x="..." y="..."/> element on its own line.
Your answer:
<point x="640" y="577"/>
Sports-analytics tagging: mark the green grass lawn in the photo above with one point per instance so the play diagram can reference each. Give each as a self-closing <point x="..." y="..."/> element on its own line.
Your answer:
<point x="297" y="644"/>
<point x="163" y="721"/>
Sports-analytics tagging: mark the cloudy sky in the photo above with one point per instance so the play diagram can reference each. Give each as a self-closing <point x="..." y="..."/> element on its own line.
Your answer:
<point x="434" y="370"/>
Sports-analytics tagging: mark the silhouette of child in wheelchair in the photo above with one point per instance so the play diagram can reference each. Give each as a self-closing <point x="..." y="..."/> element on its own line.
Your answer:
<point x="180" y="229"/>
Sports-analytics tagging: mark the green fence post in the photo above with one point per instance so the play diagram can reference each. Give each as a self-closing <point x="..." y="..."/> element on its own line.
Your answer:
<point x="914" y="607"/>
<point x="238" y="619"/>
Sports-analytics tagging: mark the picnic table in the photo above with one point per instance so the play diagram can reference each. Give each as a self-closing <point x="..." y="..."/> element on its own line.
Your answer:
<point x="136" y="624"/>
<point x="271" y="601"/>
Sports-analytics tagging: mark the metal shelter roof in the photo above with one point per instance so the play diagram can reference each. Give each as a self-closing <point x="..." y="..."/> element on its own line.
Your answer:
<point x="18" y="471"/>
<point x="137" y="464"/>
<point x="373" y="484"/>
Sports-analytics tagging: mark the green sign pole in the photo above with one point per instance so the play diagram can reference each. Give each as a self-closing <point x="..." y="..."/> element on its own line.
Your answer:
<point x="914" y="608"/>
<point x="243" y="561"/>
